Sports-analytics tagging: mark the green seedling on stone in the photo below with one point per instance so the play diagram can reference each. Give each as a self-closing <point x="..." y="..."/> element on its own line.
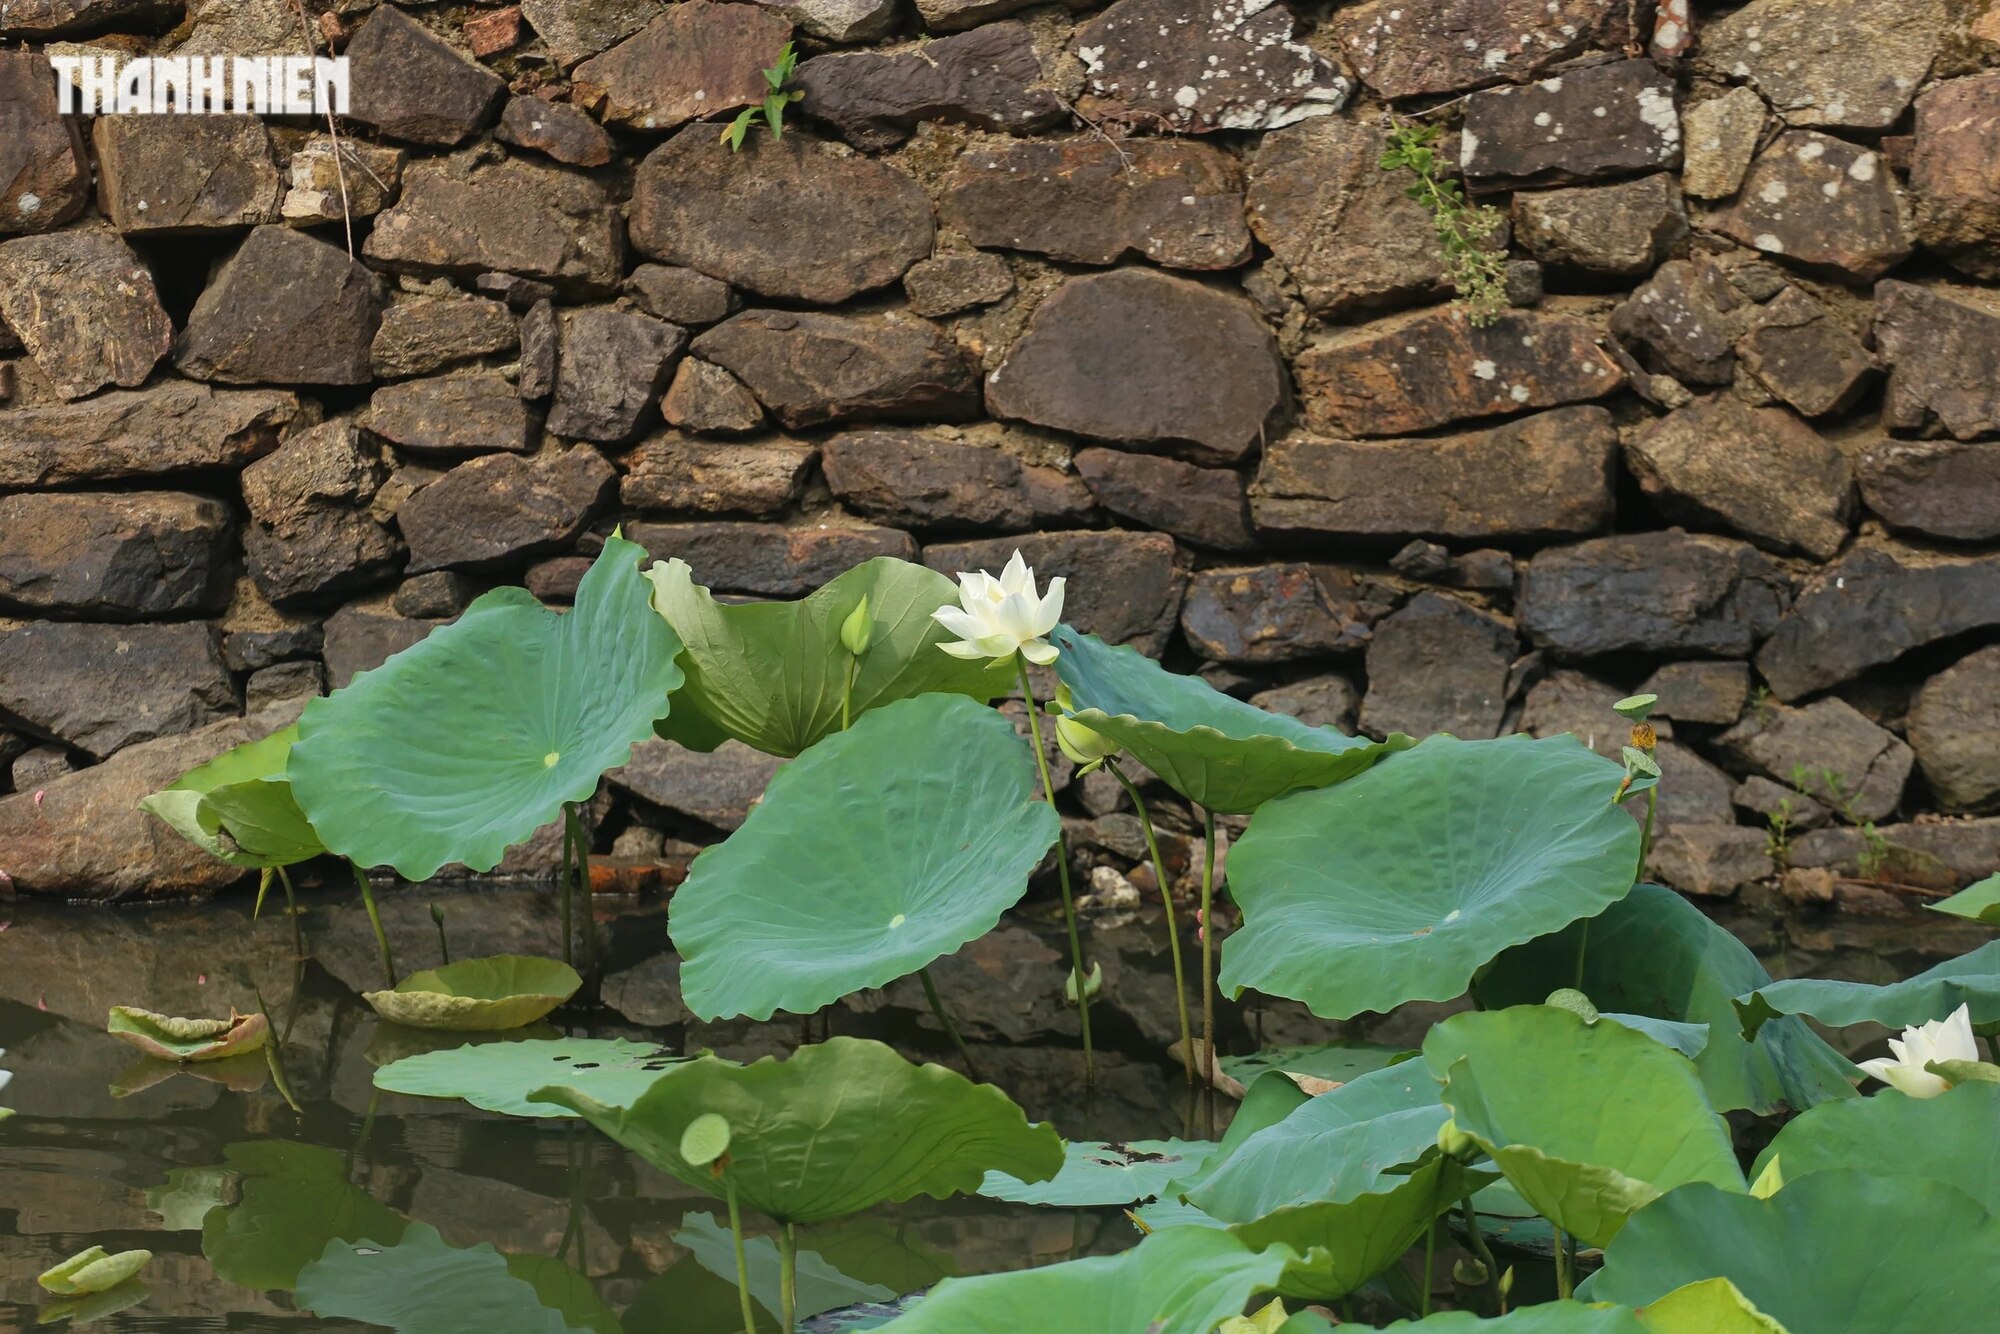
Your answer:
<point x="1477" y="268"/>
<point x="772" y="110"/>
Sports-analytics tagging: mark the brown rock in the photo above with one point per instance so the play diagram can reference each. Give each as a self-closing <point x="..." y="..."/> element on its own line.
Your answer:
<point x="359" y="181"/>
<point x="1205" y="506"/>
<point x="914" y="480"/>
<point x="1686" y="319"/>
<point x="287" y="684"/>
<point x="471" y="413"/>
<point x="1623" y="230"/>
<point x="1551" y="131"/>
<point x="1667" y="592"/>
<point x="1940" y="488"/>
<point x="1091" y="201"/>
<point x="952" y="283"/>
<point x="554" y="128"/>
<point x="557" y="578"/>
<point x="44" y="176"/>
<point x="1406" y="48"/>
<point x="409" y="85"/>
<point x="439" y="595"/>
<point x="1059" y="498"/>
<point x="1276" y="613"/>
<point x="1426" y="369"/>
<point x="1232" y="65"/>
<point x="1710" y="861"/>
<point x="1778" y="807"/>
<point x="360" y="638"/>
<point x="793" y="218"/>
<point x="40" y="19"/>
<point x="1122" y="587"/>
<point x="1145" y="358"/>
<point x="680" y="296"/>
<point x="1951" y="173"/>
<point x="1955" y="731"/>
<point x="114" y="556"/>
<point x="1316" y="701"/>
<point x="719" y="788"/>
<point x="1855" y="64"/>
<point x="490" y="34"/>
<point x="694" y="60"/>
<point x="841" y="22"/>
<point x="311" y="533"/>
<point x="1438" y="666"/>
<point x="1722" y="137"/>
<point x="463" y="216"/>
<point x="1580" y="705"/>
<point x="955" y="15"/>
<point x="538" y="352"/>
<point x="171" y="427"/>
<point x="422" y="334"/>
<point x="575" y="30"/>
<point x="808" y="368"/>
<point x="1549" y="475"/>
<point x="496" y="508"/>
<point x="85" y="309"/>
<point x="1823" y="204"/>
<point x="101" y="688"/>
<point x="1829" y="751"/>
<point x="256" y="635"/>
<point x="769" y="559"/>
<point x="705" y="397"/>
<point x="989" y="78"/>
<point x="611" y="366"/>
<point x="1941" y="344"/>
<point x="185" y="174"/>
<point x="1799" y="351"/>
<point x="284" y="309"/>
<point x="1700" y="692"/>
<point x="671" y="473"/>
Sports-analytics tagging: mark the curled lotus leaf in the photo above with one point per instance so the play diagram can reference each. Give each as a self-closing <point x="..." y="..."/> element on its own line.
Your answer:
<point x="93" y="1271"/>
<point x="1341" y="1244"/>
<point x="478" y="995"/>
<point x="1971" y="980"/>
<point x="175" y="1039"/>
<point x="1953" y="1138"/>
<point x="239" y="806"/>
<point x="1979" y="903"/>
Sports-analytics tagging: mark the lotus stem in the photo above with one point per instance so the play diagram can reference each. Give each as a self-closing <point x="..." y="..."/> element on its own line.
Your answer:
<point x="1565" y="1281"/>
<point x="581" y="838"/>
<point x="564" y="885"/>
<point x="1430" y="1260"/>
<point x="950" y="1029"/>
<point x="1646" y="829"/>
<point x="1062" y="868"/>
<point x="292" y="911"/>
<point x="788" y="1277"/>
<point x="847" y="695"/>
<point x="1166" y="901"/>
<point x="1208" y="944"/>
<point x="375" y="920"/>
<point x="742" y="1264"/>
<point x="1477" y="1240"/>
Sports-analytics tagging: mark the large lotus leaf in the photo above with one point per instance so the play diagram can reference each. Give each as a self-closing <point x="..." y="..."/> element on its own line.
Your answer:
<point x="1711" y="1306"/>
<point x="1334" y="1061"/>
<point x="1590" y="1122"/>
<point x="1654" y="953"/>
<point x="1397" y="885"/>
<point x="1183" y="1280"/>
<point x="1226" y="755"/>
<point x="419" y="1285"/>
<point x="1688" y="1039"/>
<point x="771" y="674"/>
<point x="296" y="1198"/>
<point x="1557" y="1317"/>
<point x="836" y="1128"/>
<point x="1096" y="1174"/>
<point x="1269" y="1099"/>
<point x="1831" y="1251"/>
<point x="1954" y="1138"/>
<point x="820" y="1287"/>
<point x="239" y="806"/>
<point x="499" y="1076"/>
<point x="175" y="1039"/>
<point x="1339" y="1145"/>
<point x="1980" y="902"/>
<point x="1341" y="1245"/>
<point x="487" y="995"/>
<point x="468" y="742"/>
<point x="1971" y="980"/>
<point x="879" y="850"/>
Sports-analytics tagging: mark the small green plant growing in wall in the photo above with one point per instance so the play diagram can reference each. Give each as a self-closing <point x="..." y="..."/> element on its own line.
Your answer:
<point x="772" y="110"/>
<point x="1478" y="273"/>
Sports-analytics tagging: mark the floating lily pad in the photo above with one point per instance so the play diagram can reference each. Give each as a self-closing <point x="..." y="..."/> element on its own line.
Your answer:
<point x="499" y="1076"/>
<point x="465" y="744"/>
<point x="1834" y="1250"/>
<point x="419" y="1285"/>
<point x="1589" y="1122"/>
<point x="1971" y="980"/>
<point x="1980" y="902"/>
<point x="1096" y="1174"/>
<point x="820" y="1287"/>
<point x="478" y="995"/>
<point x="1953" y="1138"/>
<point x="239" y="806"/>
<point x="878" y="851"/>
<point x="1337" y="1062"/>
<point x="1397" y="885"/>
<point x="174" y="1039"/>
<point x="93" y="1270"/>
<point x="1219" y="752"/>
<point x="1342" y="1244"/>
<point x="295" y="1199"/>
<point x="771" y="674"/>
<point x="834" y="1129"/>
<point x="1654" y="953"/>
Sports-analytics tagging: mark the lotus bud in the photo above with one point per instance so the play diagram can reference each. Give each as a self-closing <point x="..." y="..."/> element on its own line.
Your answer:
<point x="1507" y="1283"/>
<point x="1455" y="1143"/>
<point x="857" y="632"/>
<point x="1469" y="1273"/>
<point x="1578" y="1004"/>
<point x="1093" y="982"/>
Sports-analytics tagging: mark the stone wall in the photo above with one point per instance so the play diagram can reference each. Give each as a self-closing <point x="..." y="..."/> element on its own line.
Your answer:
<point x="1124" y="287"/>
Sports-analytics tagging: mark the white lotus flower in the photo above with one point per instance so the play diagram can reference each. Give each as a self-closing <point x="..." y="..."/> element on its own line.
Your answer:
<point x="5" y="1075"/>
<point x="1001" y="617"/>
<point x="1946" y="1039"/>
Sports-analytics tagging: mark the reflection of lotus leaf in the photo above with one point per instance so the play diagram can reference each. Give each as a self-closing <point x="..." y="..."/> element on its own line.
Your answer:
<point x="174" y="1039"/>
<point x="821" y="1287"/>
<point x="419" y="1285"/>
<point x="478" y="995"/>
<point x="295" y="1199"/>
<point x="499" y="1076"/>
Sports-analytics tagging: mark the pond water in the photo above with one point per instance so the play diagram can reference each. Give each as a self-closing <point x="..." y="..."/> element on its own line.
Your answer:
<point x="235" y="1174"/>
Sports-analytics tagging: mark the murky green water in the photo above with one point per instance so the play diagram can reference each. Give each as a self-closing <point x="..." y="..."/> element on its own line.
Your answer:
<point x="234" y="1187"/>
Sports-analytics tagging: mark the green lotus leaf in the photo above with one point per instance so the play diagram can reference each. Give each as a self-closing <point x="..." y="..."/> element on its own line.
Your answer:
<point x="1269" y="1099"/>
<point x="1096" y="1174"/>
<point x="465" y="744"/>
<point x="771" y="674"/>
<point x="820" y="1287"/>
<point x="1711" y="1306"/>
<point x="1340" y="1245"/>
<point x="1336" y="1147"/>
<point x="239" y="806"/>
<point x="499" y="1076"/>
<point x="1980" y="902"/>
<point x="836" y="1128"/>
<point x="1971" y="980"/>
<point x="1953" y="1138"/>
<point x="1835" y="1250"/>
<point x="1557" y="1317"/>
<point x="1335" y="1061"/>
<point x="1219" y="752"/>
<point x="295" y="1199"/>
<point x="174" y="1039"/>
<point x="419" y="1285"/>
<point x="1688" y="1039"/>
<point x="478" y="995"/>
<point x="1180" y="1281"/>
<point x="93" y="1271"/>
<point x="879" y="850"/>
<point x="1590" y="1122"/>
<point x="1397" y="885"/>
<point x="1654" y="953"/>
<point x="566" y="1292"/>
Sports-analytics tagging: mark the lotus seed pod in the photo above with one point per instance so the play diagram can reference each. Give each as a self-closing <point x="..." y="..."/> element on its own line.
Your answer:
<point x="1635" y="707"/>
<point x="1578" y="1004"/>
<point x="705" y="1140"/>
